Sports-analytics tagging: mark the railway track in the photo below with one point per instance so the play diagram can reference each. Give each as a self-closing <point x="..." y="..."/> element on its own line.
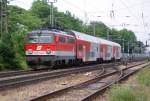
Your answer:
<point x="25" y="72"/>
<point x="9" y="83"/>
<point x="17" y="73"/>
<point x="87" y="90"/>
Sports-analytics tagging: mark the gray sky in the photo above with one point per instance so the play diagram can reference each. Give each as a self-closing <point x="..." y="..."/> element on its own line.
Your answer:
<point x="99" y="10"/>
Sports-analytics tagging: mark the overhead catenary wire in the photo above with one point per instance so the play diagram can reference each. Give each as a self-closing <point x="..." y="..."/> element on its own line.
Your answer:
<point x="143" y="19"/>
<point x="75" y="6"/>
<point x="138" y="19"/>
<point x="117" y="10"/>
<point x="132" y="6"/>
<point x="143" y="22"/>
<point x="130" y="10"/>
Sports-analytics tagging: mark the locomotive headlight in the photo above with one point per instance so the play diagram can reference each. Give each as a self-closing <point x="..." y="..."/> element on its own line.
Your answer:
<point x="48" y="51"/>
<point x="30" y="51"/>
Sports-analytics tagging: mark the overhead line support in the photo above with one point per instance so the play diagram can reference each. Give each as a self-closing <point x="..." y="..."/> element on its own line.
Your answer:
<point x="3" y="18"/>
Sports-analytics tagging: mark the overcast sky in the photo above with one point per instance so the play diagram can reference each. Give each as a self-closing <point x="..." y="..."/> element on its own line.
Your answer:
<point x="126" y="12"/>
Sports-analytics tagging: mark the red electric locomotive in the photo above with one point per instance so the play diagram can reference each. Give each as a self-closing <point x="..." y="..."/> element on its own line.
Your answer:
<point x="55" y="47"/>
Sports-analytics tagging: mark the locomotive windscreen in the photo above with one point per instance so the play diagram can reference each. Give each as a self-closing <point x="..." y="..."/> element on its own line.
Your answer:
<point x="43" y="38"/>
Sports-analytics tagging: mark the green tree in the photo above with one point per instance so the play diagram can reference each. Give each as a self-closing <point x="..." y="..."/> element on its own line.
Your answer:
<point x="129" y="39"/>
<point x="7" y="53"/>
<point x="18" y="15"/>
<point x="40" y="9"/>
<point x="30" y="21"/>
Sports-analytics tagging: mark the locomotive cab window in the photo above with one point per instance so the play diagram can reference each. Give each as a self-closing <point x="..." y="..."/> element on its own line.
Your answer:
<point x="62" y="39"/>
<point x="43" y="38"/>
<point x="32" y="39"/>
<point x="46" y="39"/>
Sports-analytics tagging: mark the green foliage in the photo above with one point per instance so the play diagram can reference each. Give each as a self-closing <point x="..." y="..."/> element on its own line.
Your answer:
<point x="18" y="39"/>
<point x="11" y="44"/>
<point x="7" y="54"/>
<point x="40" y="9"/>
<point x="30" y="21"/>
<point x="69" y="22"/>
<point x="128" y="35"/>
<point x="13" y="18"/>
<point x="127" y="93"/>
<point x="143" y="77"/>
<point x="129" y="39"/>
<point x="100" y="29"/>
<point x="20" y="16"/>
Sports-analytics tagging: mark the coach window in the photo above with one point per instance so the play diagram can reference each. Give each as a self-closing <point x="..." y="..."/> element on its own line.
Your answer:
<point x="101" y="49"/>
<point x="62" y="39"/>
<point x="80" y="47"/>
<point x="117" y="51"/>
<point x="71" y="40"/>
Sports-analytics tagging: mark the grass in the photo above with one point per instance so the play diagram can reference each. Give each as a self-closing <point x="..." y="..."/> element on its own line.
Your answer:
<point x="127" y="93"/>
<point x="140" y="91"/>
<point x="143" y="77"/>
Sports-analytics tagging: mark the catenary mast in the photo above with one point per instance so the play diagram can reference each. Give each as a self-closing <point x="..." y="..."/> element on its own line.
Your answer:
<point x="3" y="18"/>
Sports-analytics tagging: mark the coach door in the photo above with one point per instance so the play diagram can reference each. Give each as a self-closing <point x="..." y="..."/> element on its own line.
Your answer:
<point x="94" y="52"/>
<point x="109" y="52"/>
<point x="84" y="53"/>
<point x="81" y="52"/>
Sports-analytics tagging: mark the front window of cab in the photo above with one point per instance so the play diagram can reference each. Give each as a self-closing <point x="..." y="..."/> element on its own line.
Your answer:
<point x="43" y="38"/>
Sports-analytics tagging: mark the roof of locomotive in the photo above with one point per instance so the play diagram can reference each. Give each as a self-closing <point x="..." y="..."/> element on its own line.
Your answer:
<point x="86" y="37"/>
<point x="52" y="31"/>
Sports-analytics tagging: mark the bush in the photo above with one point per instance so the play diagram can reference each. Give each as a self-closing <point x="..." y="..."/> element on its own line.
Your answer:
<point x="7" y="57"/>
<point x="18" y="39"/>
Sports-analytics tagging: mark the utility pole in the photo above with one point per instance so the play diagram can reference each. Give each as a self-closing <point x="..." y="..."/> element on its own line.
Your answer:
<point x="107" y="34"/>
<point x="3" y="18"/>
<point x="94" y="29"/>
<point x="51" y="17"/>
<point x="94" y="23"/>
<point x="128" y="47"/>
<point x="123" y="45"/>
<point x="112" y="17"/>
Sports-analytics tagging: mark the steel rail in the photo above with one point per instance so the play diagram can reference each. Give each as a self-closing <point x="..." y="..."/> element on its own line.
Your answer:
<point x="13" y="83"/>
<point x="17" y="73"/>
<point x="24" y="72"/>
<point x="101" y="90"/>
<point x="44" y="97"/>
